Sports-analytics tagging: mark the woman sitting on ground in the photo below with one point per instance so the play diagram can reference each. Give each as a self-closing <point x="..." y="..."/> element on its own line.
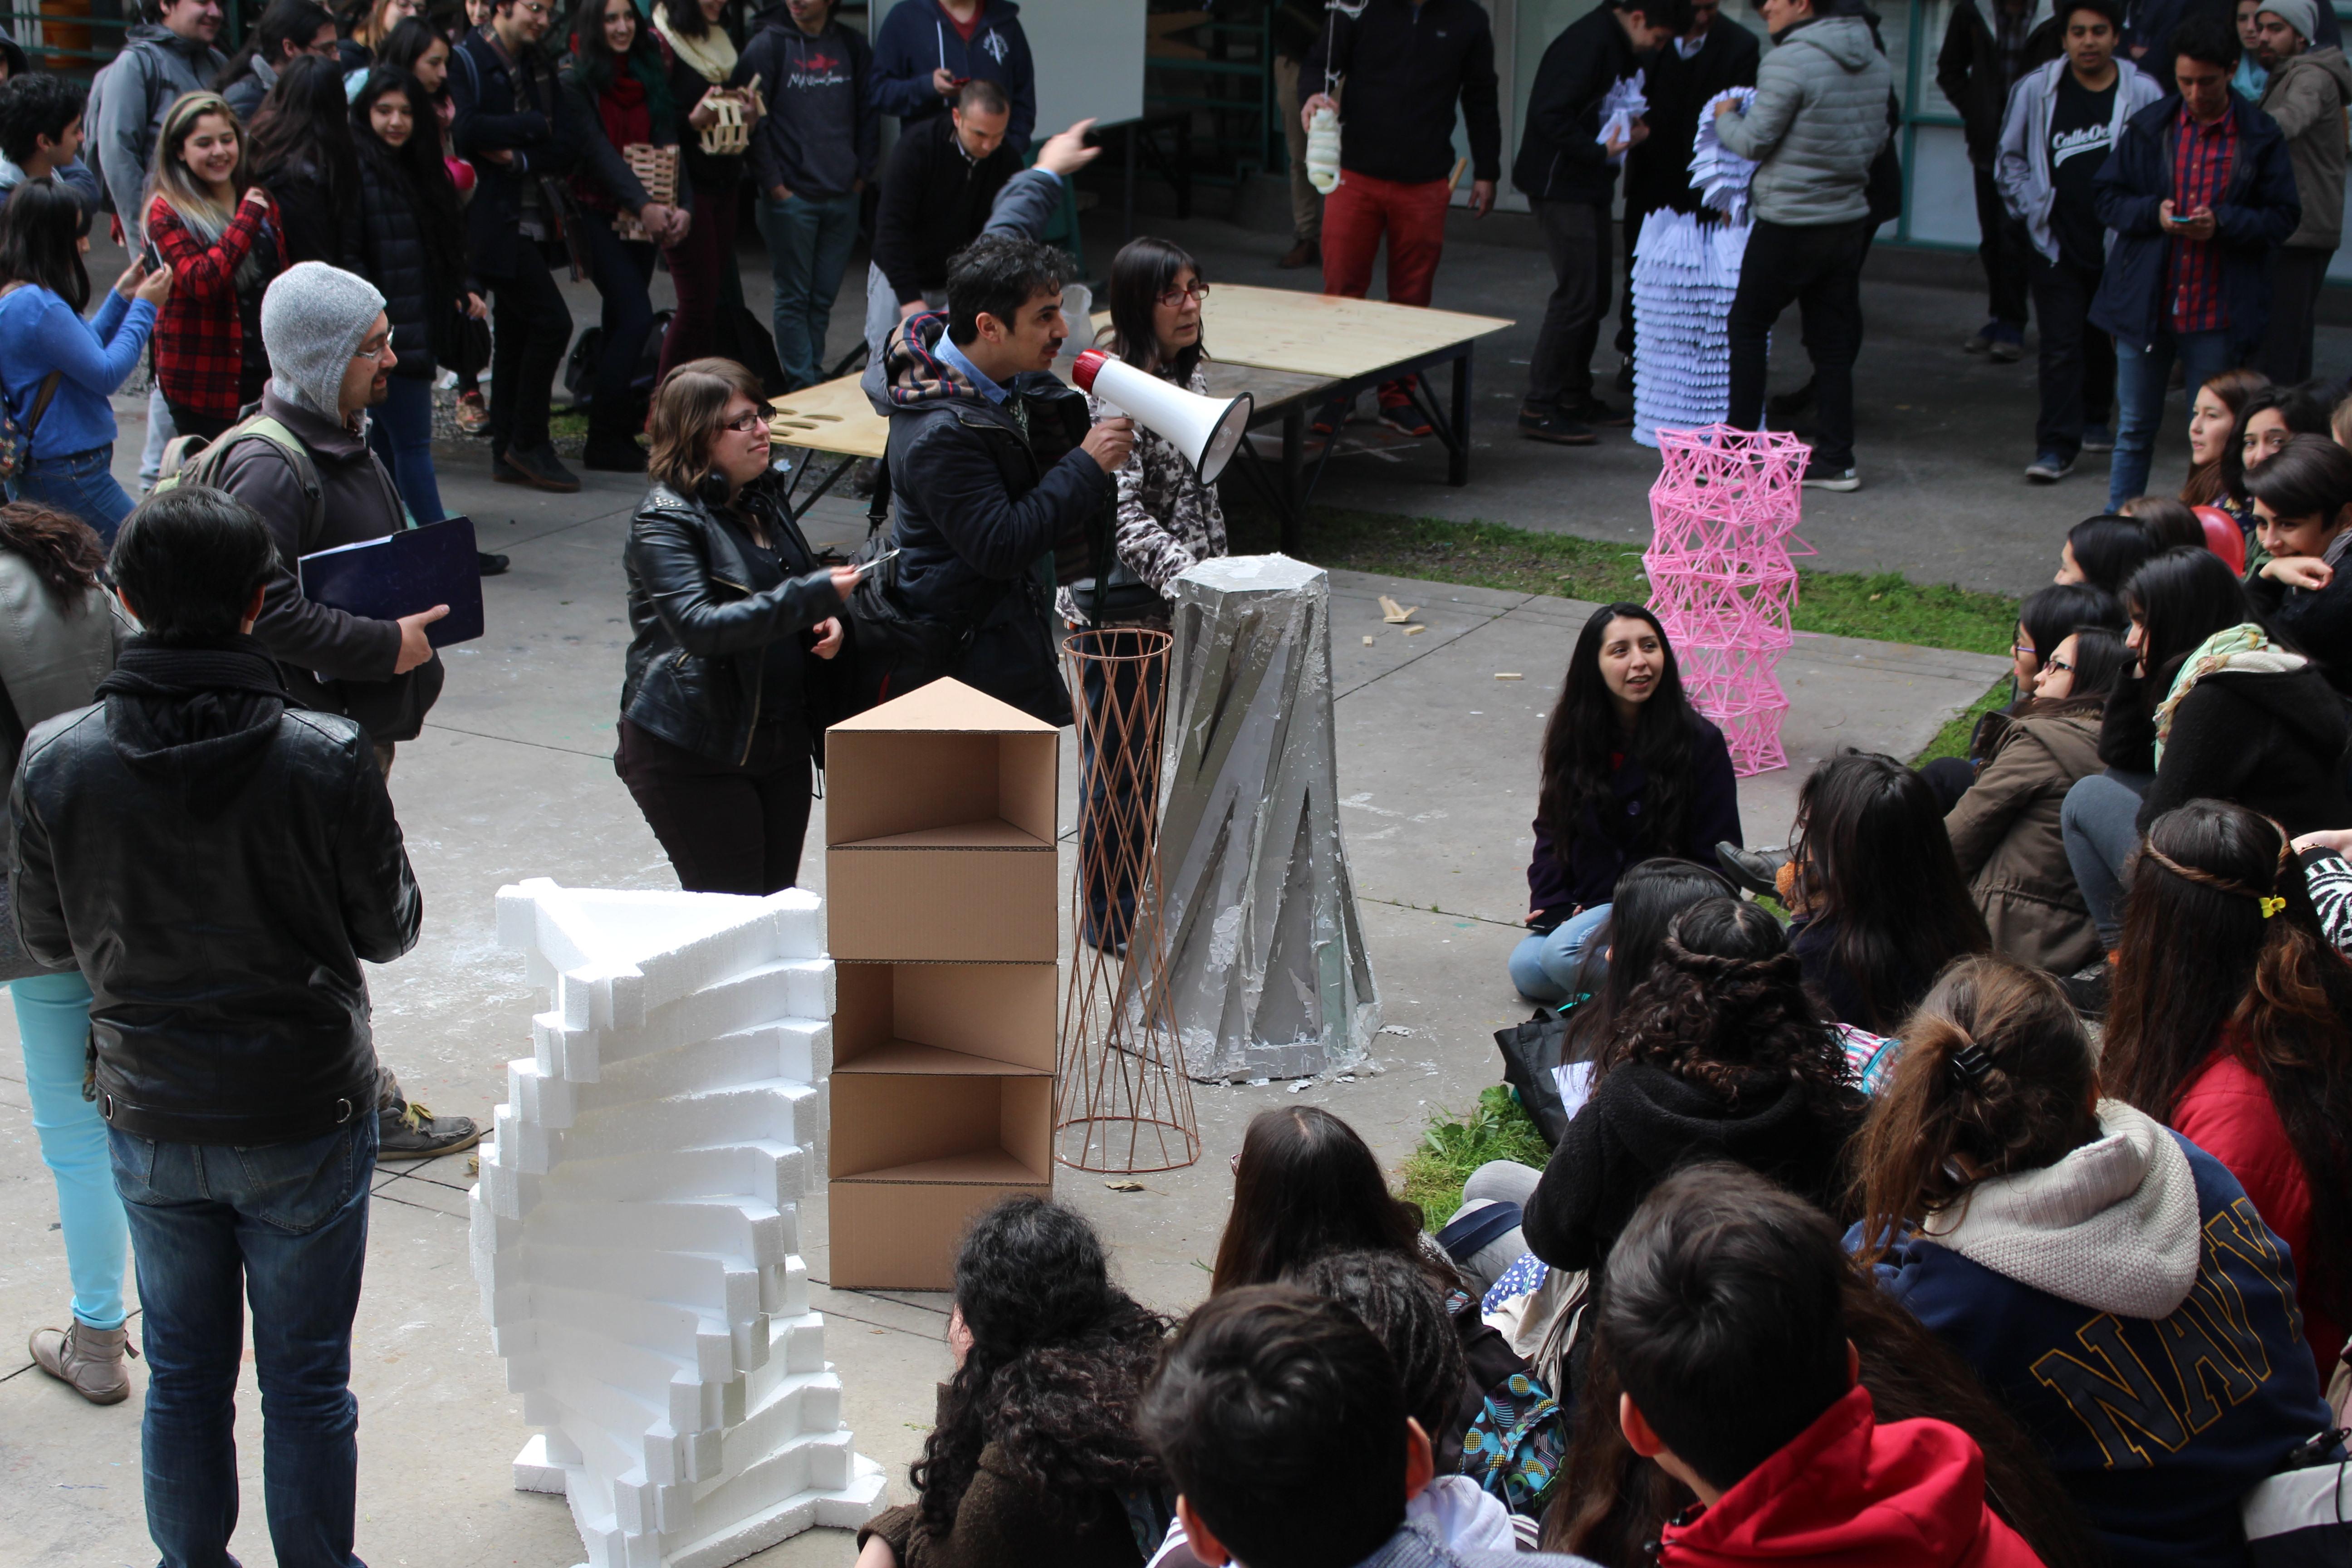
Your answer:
<point x="2169" y="523"/>
<point x="1615" y="1502"/>
<point x="1034" y="1458"/>
<point x="2266" y="423"/>
<point x="2005" y="831"/>
<point x="1630" y="770"/>
<point x="2102" y="550"/>
<point x="2213" y="438"/>
<point x="2214" y="709"/>
<point x="2232" y="1022"/>
<point x="1885" y="905"/>
<point x="1641" y="910"/>
<point x="2303" y="517"/>
<point x="2071" y="1248"/>
<point x="1719" y="1055"/>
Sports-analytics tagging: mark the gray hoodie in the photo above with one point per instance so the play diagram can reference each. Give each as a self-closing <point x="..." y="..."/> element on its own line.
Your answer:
<point x="1818" y="119"/>
<point x="155" y="67"/>
<point x="2306" y="95"/>
<point x="2022" y="170"/>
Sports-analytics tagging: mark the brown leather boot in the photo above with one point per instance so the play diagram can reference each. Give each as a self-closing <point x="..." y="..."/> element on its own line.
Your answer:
<point x="88" y="1360"/>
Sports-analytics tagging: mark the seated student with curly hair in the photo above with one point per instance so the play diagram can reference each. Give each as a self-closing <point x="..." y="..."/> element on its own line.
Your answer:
<point x="2108" y="1280"/>
<point x="1719" y="1055"/>
<point x="1722" y="1311"/>
<point x="1034" y="1459"/>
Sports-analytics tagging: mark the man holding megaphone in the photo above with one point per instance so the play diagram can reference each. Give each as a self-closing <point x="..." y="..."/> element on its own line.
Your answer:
<point x="993" y="467"/>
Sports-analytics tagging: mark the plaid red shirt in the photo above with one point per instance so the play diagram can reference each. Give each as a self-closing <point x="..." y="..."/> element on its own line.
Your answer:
<point x="199" y="332"/>
<point x="2202" y="157"/>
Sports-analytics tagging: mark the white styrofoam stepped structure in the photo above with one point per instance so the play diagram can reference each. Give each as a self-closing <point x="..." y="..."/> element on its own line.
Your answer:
<point x="636" y="1227"/>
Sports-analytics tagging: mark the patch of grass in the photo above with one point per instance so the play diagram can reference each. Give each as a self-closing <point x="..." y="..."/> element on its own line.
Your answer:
<point x="1497" y="1128"/>
<point x="1884" y="607"/>
<point x="1952" y="739"/>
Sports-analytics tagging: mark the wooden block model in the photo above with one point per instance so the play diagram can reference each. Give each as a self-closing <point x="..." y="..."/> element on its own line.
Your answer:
<point x="942" y="897"/>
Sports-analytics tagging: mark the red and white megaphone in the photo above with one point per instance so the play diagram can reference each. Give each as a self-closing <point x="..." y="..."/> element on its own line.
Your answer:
<point x="1207" y="430"/>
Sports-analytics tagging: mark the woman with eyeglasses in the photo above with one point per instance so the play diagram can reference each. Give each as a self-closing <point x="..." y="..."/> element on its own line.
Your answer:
<point x="731" y="621"/>
<point x="1166" y="521"/>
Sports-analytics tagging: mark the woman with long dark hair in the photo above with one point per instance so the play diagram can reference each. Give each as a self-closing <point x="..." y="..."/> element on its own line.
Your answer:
<point x="1719" y="1054"/>
<point x="2213" y="435"/>
<point x="288" y="30"/>
<point x="2214" y="709"/>
<point x="1305" y="1183"/>
<point x="2232" y="1022"/>
<point x="60" y="371"/>
<point x="1630" y="770"/>
<point x="1885" y="905"/>
<point x="1034" y="1457"/>
<point x="2005" y="830"/>
<point x="2066" y="1244"/>
<point x="301" y="150"/>
<point x="617" y="89"/>
<point x="412" y="248"/>
<point x="2267" y="421"/>
<point x="60" y="632"/>
<point x="2302" y="519"/>
<point x="220" y="234"/>
<point x="416" y="48"/>
<point x="2101" y="551"/>
<point x="1166" y="521"/>
<point x="731" y="615"/>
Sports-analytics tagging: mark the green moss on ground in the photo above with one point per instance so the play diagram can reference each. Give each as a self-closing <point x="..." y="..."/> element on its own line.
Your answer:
<point x="1498" y="1128"/>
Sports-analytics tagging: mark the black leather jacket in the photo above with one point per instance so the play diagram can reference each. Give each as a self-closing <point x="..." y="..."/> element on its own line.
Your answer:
<point x="217" y="864"/>
<point x="698" y="672"/>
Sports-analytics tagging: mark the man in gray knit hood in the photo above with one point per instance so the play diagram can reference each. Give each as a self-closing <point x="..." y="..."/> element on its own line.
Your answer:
<point x="2308" y="90"/>
<point x="330" y="359"/>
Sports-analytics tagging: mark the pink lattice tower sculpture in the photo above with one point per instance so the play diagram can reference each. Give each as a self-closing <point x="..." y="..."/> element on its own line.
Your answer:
<point x="1724" y="512"/>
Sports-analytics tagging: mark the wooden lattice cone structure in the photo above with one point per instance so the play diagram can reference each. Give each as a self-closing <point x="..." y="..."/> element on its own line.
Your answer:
<point x="1122" y="1103"/>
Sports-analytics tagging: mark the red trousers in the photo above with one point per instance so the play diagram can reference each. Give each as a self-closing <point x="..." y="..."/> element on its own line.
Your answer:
<point x="1356" y="213"/>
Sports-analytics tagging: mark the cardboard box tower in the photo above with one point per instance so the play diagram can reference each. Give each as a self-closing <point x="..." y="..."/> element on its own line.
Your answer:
<point x="942" y="879"/>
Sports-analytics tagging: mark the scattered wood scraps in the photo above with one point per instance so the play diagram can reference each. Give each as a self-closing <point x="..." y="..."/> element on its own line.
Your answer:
<point x="1508" y="675"/>
<point x="1124" y="1186"/>
<point x="1394" y="613"/>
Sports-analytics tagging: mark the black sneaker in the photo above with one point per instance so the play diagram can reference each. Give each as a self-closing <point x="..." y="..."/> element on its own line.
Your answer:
<point x="1753" y="869"/>
<point x="1551" y="425"/>
<point x="2049" y="469"/>
<point x="488" y="564"/>
<point x="539" y="467"/>
<point x="1592" y="411"/>
<point x="410" y="1132"/>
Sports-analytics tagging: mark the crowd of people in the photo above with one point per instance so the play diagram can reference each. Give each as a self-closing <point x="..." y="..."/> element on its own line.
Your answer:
<point x="1966" y="1182"/>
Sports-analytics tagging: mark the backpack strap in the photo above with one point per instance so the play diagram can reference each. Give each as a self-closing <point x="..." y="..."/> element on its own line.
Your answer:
<point x="298" y="456"/>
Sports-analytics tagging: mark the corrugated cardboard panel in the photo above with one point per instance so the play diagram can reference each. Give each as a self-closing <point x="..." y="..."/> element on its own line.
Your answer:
<point x="986" y="833"/>
<point x="953" y="906"/>
<point x="904" y="1236"/>
<point x="878" y="785"/>
<point x="907" y="1057"/>
<point x="1028" y="774"/>
<point x="1003" y="1013"/>
<point x="881" y="1121"/>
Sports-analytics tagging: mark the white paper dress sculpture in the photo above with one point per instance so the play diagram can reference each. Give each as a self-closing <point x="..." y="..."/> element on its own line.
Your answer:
<point x="1686" y="274"/>
<point x="636" y="1227"/>
<point x="1267" y="965"/>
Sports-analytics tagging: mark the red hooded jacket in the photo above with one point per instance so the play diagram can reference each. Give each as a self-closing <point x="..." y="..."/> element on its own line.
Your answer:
<point x="1849" y="1492"/>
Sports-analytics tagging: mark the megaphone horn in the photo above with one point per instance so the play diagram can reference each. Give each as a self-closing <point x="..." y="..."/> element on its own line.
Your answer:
<point x="1207" y="430"/>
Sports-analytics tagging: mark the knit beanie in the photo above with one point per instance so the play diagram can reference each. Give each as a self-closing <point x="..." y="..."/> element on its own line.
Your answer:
<point x="2301" y="15"/>
<point x="312" y="319"/>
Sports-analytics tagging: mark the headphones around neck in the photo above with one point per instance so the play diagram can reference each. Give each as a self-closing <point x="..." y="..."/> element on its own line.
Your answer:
<point x="711" y="489"/>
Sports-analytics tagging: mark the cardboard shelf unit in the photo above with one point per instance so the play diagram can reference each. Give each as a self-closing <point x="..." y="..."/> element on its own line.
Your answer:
<point x="941" y="874"/>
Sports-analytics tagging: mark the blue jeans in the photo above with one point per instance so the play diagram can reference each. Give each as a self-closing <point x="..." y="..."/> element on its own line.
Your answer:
<point x="2140" y="375"/>
<point x="624" y="270"/>
<point x="809" y="240"/>
<point x="284" y="1225"/>
<point x="82" y="483"/>
<point x="2099" y="820"/>
<point x="1551" y="966"/>
<point x="400" y="432"/>
<point x="53" y="1022"/>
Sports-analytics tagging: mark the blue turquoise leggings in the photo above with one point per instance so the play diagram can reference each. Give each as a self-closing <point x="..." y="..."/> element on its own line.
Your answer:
<point x="53" y="1018"/>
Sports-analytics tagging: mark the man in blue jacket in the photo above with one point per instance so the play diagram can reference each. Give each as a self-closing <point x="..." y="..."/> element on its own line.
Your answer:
<point x="2200" y="194"/>
<point x="925" y="49"/>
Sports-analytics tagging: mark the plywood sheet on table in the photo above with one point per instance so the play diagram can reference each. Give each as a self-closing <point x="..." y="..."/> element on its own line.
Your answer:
<point x="831" y="417"/>
<point x="1324" y="335"/>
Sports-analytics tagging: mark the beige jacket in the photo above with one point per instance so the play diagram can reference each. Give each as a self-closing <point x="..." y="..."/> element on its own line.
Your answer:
<point x="2306" y="95"/>
<point x="2006" y="836"/>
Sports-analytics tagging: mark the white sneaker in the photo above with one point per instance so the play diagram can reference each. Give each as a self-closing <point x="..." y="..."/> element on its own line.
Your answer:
<point x="1843" y="480"/>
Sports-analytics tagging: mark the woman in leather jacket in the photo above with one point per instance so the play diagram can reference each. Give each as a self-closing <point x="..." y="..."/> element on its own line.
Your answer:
<point x="726" y="604"/>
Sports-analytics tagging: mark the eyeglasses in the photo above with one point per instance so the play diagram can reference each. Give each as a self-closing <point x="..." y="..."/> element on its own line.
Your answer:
<point x="2026" y="648"/>
<point x="754" y="420"/>
<point x="2054" y="662"/>
<point x="373" y="347"/>
<point x="1176" y="297"/>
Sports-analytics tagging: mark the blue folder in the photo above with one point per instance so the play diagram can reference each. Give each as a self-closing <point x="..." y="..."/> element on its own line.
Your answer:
<point x="402" y="574"/>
